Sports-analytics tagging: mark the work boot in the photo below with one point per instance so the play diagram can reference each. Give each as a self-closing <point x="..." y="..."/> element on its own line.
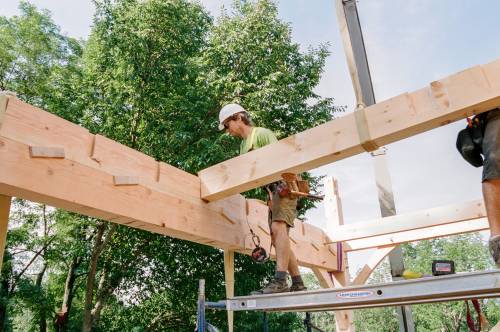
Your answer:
<point x="275" y="286"/>
<point x="298" y="287"/>
<point x="297" y="284"/>
<point x="494" y="245"/>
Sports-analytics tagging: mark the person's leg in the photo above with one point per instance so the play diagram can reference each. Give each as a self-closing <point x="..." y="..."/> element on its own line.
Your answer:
<point x="285" y="257"/>
<point x="491" y="180"/>
<point x="287" y="214"/>
<point x="293" y="266"/>
<point x="293" y="269"/>
<point x="491" y="194"/>
<point x="281" y="242"/>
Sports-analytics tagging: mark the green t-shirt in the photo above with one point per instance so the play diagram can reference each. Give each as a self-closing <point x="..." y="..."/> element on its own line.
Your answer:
<point x="257" y="139"/>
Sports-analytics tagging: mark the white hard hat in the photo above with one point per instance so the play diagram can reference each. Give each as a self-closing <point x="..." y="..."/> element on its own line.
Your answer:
<point x="227" y="111"/>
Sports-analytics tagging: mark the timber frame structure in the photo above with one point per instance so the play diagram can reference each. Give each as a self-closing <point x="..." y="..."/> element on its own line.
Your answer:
<point x="43" y="158"/>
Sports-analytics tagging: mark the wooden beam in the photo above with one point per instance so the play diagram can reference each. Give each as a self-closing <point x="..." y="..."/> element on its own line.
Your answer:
<point x="344" y="319"/>
<point x="403" y="222"/>
<point x="466" y="226"/>
<point x="373" y="262"/>
<point x="229" y="277"/>
<point x="166" y="200"/>
<point x="468" y="92"/>
<point x="4" y="224"/>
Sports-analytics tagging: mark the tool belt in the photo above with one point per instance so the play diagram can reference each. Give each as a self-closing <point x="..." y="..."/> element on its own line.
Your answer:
<point x="291" y="186"/>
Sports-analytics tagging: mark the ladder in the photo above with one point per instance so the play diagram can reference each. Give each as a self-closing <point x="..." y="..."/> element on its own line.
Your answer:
<point x="460" y="286"/>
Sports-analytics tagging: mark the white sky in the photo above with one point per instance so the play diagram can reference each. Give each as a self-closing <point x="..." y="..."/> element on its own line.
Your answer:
<point x="409" y="44"/>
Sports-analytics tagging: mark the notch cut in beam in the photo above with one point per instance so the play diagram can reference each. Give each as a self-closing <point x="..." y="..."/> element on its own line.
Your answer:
<point x="47" y="152"/>
<point x="468" y="92"/>
<point x="124" y="180"/>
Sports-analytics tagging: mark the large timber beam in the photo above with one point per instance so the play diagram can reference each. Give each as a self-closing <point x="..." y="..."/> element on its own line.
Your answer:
<point x="404" y="222"/>
<point x="95" y="176"/>
<point x="468" y="92"/>
<point x="432" y="232"/>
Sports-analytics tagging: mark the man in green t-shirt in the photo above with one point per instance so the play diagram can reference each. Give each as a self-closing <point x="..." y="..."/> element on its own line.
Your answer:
<point x="235" y="120"/>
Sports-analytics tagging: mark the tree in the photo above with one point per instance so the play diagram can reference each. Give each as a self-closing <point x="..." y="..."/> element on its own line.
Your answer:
<point x="40" y="65"/>
<point x="38" y="62"/>
<point x="469" y="253"/>
<point x="154" y="88"/>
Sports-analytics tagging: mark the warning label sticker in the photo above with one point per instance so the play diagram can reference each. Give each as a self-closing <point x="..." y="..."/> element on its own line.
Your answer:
<point x="251" y="304"/>
<point x="354" y="294"/>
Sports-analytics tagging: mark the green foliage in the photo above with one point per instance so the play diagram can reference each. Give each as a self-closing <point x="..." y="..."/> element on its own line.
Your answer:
<point x="250" y="59"/>
<point x="39" y="63"/>
<point x="469" y="254"/>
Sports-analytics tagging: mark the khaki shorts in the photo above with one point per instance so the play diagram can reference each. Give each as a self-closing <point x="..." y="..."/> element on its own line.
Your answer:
<point x="284" y="209"/>
<point x="491" y="146"/>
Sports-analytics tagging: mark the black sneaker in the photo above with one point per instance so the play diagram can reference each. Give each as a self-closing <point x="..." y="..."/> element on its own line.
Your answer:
<point x="298" y="288"/>
<point x="494" y="246"/>
<point x="275" y="286"/>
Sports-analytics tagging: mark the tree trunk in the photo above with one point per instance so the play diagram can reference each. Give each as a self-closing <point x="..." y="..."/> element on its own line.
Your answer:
<point x="62" y="317"/>
<point x="99" y="245"/>
<point x="104" y="289"/>
<point x="43" y="308"/>
<point x="103" y="292"/>
<point x="3" y="303"/>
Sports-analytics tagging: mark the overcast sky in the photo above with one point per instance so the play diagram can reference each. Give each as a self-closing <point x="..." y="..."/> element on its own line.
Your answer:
<point x="409" y="44"/>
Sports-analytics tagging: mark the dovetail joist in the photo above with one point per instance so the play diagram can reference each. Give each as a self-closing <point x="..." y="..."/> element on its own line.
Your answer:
<point x="166" y="200"/>
<point x="124" y="180"/>
<point x="46" y="152"/>
<point x="474" y="90"/>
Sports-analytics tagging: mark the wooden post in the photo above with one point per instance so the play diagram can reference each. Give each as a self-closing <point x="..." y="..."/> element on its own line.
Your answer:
<point x="229" y="276"/>
<point x="4" y="222"/>
<point x="344" y="319"/>
<point x="373" y="262"/>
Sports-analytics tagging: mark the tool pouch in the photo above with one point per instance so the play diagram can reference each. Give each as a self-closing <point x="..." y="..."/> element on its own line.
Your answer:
<point x="468" y="149"/>
<point x="470" y="140"/>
